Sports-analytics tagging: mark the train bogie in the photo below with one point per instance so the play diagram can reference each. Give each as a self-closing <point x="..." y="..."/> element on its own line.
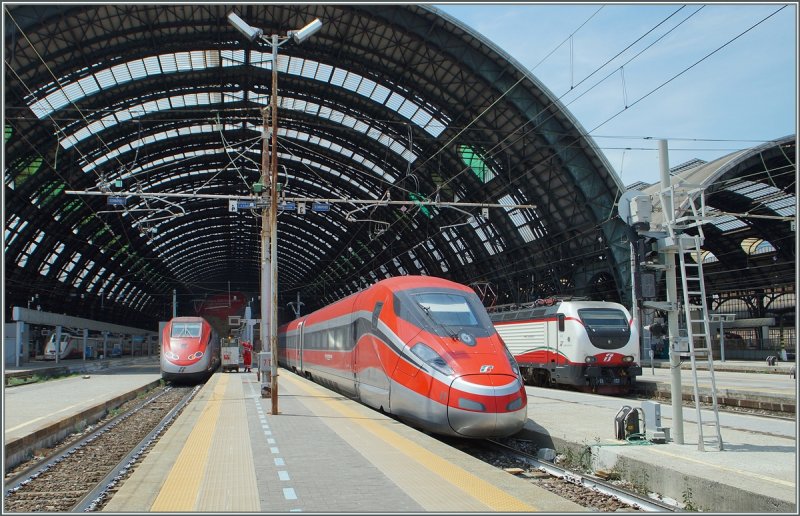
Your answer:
<point x="419" y="348"/>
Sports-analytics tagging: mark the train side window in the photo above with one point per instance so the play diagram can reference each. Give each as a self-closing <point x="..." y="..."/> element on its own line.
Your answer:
<point x="561" y="319"/>
<point x="376" y="313"/>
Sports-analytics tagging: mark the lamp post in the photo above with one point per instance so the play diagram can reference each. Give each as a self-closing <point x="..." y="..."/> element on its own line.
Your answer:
<point x="269" y="288"/>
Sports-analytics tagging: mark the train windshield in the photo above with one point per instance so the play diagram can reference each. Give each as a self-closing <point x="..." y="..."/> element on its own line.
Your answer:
<point x="443" y="312"/>
<point x="607" y="327"/>
<point x="603" y="318"/>
<point x="447" y="309"/>
<point x="185" y="329"/>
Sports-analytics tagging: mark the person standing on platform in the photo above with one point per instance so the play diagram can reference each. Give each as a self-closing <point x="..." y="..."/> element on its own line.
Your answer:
<point x="247" y="356"/>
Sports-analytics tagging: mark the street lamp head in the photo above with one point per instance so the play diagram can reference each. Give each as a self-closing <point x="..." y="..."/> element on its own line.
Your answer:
<point x="306" y="32"/>
<point x="251" y="33"/>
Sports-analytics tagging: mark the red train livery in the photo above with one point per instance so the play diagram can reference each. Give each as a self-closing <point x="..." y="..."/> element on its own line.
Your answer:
<point x="190" y="350"/>
<point x="418" y="347"/>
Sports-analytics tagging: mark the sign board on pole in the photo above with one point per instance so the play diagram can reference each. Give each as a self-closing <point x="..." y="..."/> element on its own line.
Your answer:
<point x="115" y="200"/>
<point x="265" y="373"/>
<point x="320" y="206"/>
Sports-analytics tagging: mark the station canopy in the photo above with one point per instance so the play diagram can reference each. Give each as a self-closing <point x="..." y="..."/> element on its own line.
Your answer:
<point x="163" y="106"/>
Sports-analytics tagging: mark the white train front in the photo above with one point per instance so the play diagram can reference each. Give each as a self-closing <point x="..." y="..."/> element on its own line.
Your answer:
<point x="591" y="345"/>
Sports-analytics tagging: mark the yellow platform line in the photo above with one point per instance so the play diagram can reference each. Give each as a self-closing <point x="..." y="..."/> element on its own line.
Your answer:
<point x="230" y="482"/>
<point x="179" y="492"/>
<point x="494" y="498"/>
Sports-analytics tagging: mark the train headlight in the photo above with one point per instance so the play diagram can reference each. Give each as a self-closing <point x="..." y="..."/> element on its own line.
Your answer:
<point x="514" y="365"/>
<point x="590" y="360"/>
<point x="627" y="358"/>
<point x="432" y="358"/>
<point x="514" y="405"/>
<point x="474" y="406"/>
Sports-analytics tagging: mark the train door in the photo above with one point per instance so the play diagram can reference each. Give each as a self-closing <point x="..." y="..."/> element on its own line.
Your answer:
<point x="300" y="345"/>
<point x="561" y="335"/>
<point x="372" y="381"/>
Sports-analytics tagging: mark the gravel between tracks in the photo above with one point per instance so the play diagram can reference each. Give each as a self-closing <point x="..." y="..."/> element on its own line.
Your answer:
<point x="64" y="483"/>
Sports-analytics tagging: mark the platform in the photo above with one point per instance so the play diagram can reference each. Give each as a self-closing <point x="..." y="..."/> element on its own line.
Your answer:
<point x="756" y="471"/>
<point x="40" y="414"/>
<point x="745" y="384"/>
<point x="324" y="453"/>
<point x="320" y="453"/>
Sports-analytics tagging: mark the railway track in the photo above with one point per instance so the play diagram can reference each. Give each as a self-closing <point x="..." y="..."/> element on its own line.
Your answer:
<point x="586" y="490"/>
<point x="82" y="475"/>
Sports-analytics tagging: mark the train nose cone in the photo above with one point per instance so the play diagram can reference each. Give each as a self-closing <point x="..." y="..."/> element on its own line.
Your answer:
<point x="487" y="405"/>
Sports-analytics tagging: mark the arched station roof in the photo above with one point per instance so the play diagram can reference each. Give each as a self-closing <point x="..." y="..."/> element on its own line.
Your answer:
<point x="397" y="102"/>
<point x="749" y="247"/>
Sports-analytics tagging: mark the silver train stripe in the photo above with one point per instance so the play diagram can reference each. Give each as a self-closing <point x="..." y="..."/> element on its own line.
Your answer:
<point x="486" y="390"/>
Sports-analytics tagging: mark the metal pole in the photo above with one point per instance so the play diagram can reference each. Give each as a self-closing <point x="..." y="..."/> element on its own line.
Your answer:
<point x="20" y="328"/>
<point x="265" y="261"/>
<point x="273" y="209"/>
<point x="58" y="343"/>
<point x="635" y="303"/>
<point x="722" y="339"/>
<point x="672" y="297"/>
<point x="174" y="303"/>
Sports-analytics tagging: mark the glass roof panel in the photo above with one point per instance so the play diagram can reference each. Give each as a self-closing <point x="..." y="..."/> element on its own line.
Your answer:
<point x="137" y="69"/>
<point x="475" y="162"/>
<point x="179" y="101"/>
<point x="152" y="65"/>
<point x="89" y="85"/>
<point x="517" y="218"/>
<point x="199" y="60"/>
<point x="121" y="73"/>
<point x="309" y="69"/>
<point x="728" y="223"/>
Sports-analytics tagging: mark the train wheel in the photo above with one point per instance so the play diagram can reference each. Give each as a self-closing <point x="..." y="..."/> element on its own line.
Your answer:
<point x="541" y="378"/>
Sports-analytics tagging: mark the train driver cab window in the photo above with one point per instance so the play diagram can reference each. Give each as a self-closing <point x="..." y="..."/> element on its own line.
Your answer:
<point x="603" y="318"/>
<point x="187" y="329"/>
<point x="447" y="309"/>
<point x="561" y="319"/>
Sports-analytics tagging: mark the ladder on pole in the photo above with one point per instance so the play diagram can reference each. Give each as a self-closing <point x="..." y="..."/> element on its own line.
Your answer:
<point x="696" y="312"/>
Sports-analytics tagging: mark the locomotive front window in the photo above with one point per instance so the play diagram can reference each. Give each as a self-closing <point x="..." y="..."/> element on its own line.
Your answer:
<point x="603" y="318"/>
<point x="447" y="309"/>
<point x="185" y="329"/>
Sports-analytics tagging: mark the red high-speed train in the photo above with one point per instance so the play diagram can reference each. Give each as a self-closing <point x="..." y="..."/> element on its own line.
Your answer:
<point x="190" y="350"/>
<point x="418" y="347"/>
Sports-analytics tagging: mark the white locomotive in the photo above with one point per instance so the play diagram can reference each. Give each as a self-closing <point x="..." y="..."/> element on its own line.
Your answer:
<point x="591" y="345"/>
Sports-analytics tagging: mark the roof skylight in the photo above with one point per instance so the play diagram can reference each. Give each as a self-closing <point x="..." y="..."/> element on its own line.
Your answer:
<point x="46" y="103"/>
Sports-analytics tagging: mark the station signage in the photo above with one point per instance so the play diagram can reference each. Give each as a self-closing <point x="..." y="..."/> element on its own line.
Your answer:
<point x="116" y="200"/>
<point x="320" y="206"/>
